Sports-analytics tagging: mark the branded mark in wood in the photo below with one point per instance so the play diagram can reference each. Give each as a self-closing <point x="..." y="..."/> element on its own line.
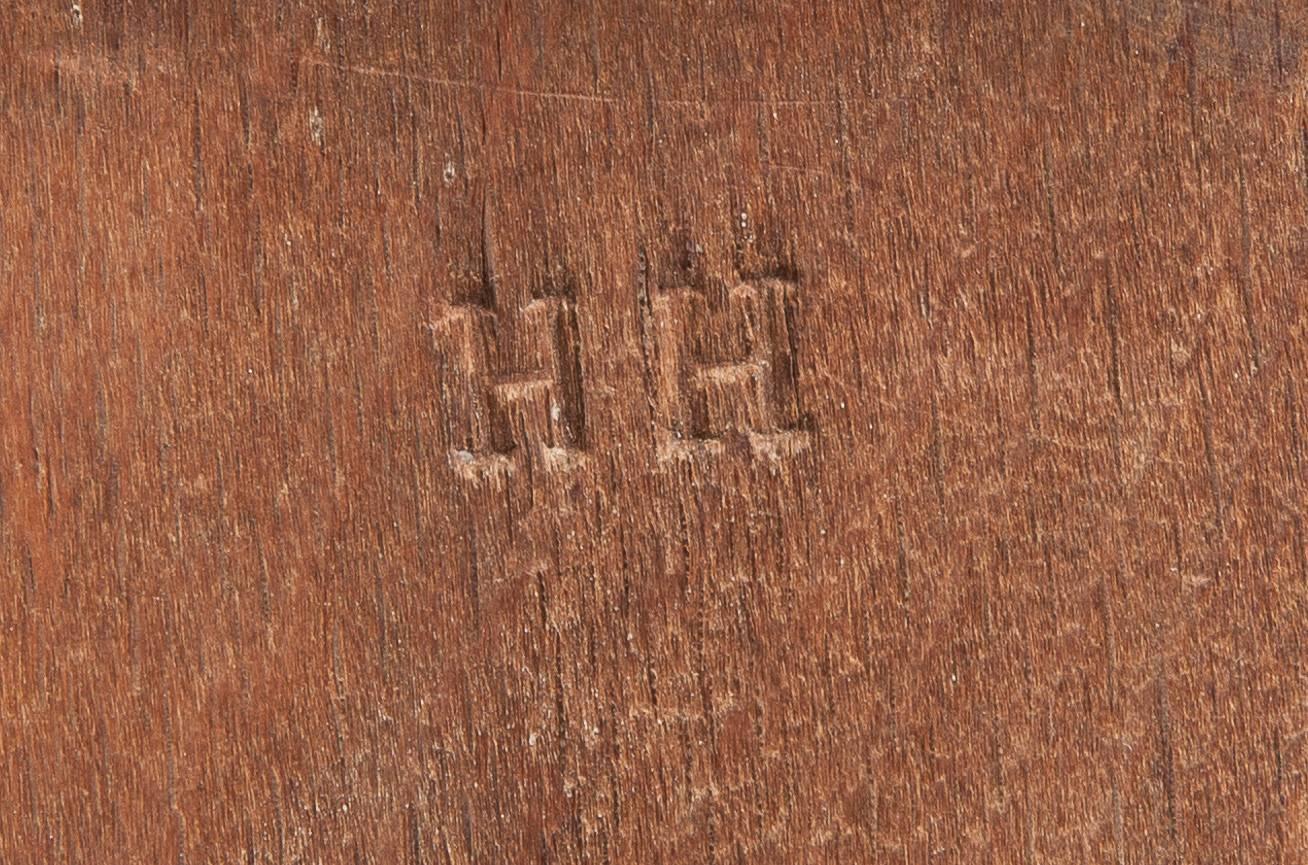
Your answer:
<point x="511" y="376"/>
<point x="512" y="383"/>
<point x="725" y="366"/>
<point x="721" y="360"/>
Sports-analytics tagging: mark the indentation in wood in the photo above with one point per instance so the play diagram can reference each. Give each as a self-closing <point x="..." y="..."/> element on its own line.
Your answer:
<point x="512" y="379"/>
<point x="725" y="366"/>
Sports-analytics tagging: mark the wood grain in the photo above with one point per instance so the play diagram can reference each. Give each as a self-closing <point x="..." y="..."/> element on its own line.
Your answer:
<point x="704" y="432"/>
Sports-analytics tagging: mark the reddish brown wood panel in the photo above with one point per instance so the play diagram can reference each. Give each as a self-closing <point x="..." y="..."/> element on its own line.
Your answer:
<point x="636" y="433"/>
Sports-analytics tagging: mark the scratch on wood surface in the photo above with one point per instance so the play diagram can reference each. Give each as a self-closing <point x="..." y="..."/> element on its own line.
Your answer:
<point x="1246" y="272"/>
<point x="560" y="95"/>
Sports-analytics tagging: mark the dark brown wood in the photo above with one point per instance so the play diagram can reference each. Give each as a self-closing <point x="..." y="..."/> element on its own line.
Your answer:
<point x="636" y="433"/>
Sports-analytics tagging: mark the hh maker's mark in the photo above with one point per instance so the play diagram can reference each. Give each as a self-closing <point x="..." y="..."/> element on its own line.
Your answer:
<point x="721" y="357"/>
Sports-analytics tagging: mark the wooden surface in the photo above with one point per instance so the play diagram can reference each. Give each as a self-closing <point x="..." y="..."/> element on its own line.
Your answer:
<point x="717" y="433"/>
